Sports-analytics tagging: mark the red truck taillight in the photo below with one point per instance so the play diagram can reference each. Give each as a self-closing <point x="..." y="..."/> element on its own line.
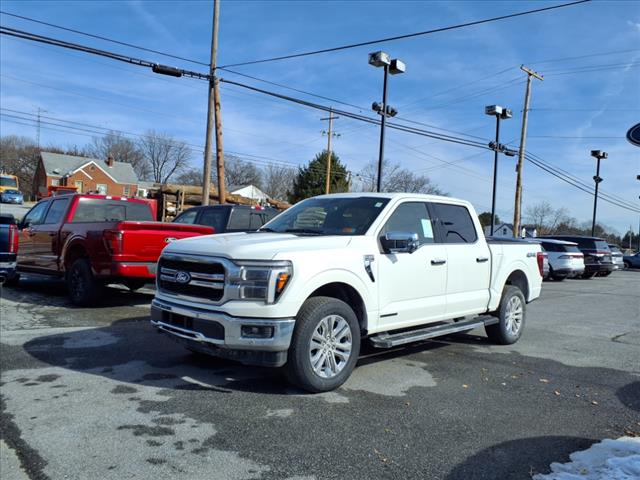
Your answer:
<point x="540" y="256"/>
<point x="13" y="239"/>
<point x="113" y="241"/>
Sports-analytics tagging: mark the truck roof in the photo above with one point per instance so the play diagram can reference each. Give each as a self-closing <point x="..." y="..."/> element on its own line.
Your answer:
<point x="399" y="195"/>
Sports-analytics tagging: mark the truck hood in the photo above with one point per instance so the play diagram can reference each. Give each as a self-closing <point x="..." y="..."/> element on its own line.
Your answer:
<point x="255" y="246"/>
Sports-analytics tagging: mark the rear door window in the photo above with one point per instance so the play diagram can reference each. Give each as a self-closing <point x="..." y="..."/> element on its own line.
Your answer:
<point x="214" y="217"/>
<point x="57" y="211"/>
<point x="240" y="219"/>
<point x="455" y="223"/>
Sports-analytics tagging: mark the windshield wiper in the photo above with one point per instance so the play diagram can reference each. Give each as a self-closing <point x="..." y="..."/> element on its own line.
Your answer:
<point x="305" y="231"/>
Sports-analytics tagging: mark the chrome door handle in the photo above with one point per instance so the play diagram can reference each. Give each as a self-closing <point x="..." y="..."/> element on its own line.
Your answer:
<point x="482" y="259"/>
<point x="438" y="262"/>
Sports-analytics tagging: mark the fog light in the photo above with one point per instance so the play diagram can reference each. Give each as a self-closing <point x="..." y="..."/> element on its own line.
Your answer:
<point x="252" y="331"/>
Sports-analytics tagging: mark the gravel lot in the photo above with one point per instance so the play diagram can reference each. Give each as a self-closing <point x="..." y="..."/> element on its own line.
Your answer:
<point x="97" y="393"/>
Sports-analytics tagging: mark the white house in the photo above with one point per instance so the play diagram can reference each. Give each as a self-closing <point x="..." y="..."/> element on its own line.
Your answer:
<point x="249" y="191"/>
<point x="506" y="230"/>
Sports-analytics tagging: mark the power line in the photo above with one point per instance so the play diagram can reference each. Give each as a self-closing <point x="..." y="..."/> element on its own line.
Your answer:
<point x="402" y="37"/>
<point x="99" y="37"/>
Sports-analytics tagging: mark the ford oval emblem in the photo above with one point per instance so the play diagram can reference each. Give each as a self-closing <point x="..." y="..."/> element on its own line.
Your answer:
<point x="170" y="239"/>
<point x="183" y="277"/>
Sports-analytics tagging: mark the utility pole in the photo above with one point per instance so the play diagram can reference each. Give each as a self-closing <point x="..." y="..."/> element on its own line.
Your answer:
<point x="523" y="137"/>
<point x="40" y="110"/>
<point x="214" y="118"/>
<point x="329" y="134"/>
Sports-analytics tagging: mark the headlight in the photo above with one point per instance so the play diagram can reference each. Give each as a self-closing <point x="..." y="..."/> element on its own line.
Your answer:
<point x="260" y="280"/>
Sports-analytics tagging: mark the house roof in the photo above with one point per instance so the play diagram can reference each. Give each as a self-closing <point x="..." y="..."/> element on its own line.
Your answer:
<point x="58" y="165"/>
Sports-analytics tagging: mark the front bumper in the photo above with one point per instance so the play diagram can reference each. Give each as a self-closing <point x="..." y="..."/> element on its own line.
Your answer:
<point x="219" y="334"/>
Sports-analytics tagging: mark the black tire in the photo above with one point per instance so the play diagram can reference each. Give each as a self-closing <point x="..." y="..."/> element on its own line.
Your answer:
<point x="605" y="274"/>
<point x="134" y="284"/>
<point x="627" y="265"/>
<point x="588" y="275"/>
<point x="84" y="289"/>
<point x="510" y="325"/>
<point x="559" y="278"/>
<point x="311" y="320"/>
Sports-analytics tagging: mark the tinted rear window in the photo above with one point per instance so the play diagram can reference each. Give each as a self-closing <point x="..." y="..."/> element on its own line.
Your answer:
<point x="97" y="210"/>
<point x="572" y="248"/>
<point x="214" y="217"/>
<point x="602" y="245"/>
<point x="456" y="223"/>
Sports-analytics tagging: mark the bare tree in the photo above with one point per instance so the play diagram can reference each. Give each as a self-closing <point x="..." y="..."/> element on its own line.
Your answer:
<point x="547" y="219"/>
<point x="19" y="156"/>
<point x="165" y="155"/>
<point x="192" y="176"/>
<point x="278" y="181"/>
<point x="122" y="149"/>
<point x="240" y="173"/>
<point x="396" y="179"/>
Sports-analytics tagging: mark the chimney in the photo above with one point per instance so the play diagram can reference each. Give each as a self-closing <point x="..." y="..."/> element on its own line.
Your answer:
<point x="110" y="161"/>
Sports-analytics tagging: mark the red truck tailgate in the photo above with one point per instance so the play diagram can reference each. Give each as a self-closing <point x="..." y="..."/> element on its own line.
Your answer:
<point x="144" y="241"/>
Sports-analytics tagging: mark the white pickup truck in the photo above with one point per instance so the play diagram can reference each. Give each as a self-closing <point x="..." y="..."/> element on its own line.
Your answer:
<point x="308" y="287"/>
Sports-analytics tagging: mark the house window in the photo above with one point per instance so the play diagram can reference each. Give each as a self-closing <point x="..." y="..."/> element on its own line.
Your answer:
<point x="79" y="186"/>
<point x="504" y="232"/>
<point x="55" y="182"/>
<point x="126" y="190"/>
<point x="102" y="188"/>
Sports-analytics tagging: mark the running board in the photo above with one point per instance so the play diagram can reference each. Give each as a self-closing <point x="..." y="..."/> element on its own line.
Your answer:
<point x="388" y="340"/>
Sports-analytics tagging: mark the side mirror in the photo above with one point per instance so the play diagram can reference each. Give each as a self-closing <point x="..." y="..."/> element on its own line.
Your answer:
<point x="400" y="242"/>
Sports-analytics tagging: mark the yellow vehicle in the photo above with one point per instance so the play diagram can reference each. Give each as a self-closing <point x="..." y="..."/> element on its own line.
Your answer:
<point x="8" y="182"/>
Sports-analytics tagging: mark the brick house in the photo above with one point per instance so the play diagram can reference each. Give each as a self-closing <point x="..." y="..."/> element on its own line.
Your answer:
<point x="86" y="174"/>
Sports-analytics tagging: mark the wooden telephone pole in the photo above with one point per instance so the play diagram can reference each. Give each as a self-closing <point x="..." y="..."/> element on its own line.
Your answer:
<point x="214" y="119"/>
<point x="523" y="137"/>
<point x="330" y="134"/>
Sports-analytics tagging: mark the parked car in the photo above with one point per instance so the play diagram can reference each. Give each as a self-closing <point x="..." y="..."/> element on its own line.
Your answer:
<point x="8" y="248"/>
<point x="228" y="218"/>
<point x="616" y="256"/>
<point x="303" y="290"/>
<point x="597" y="256"/>
<point x="92" y="240"/>
<point x="631" y="261"/>
<point x="565" y="258"/>
<point x="12" y="196"/>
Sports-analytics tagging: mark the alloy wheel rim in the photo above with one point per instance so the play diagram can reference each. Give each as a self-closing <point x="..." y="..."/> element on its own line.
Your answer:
<point x="330" y="346"/>
<point x="513" y="315"/>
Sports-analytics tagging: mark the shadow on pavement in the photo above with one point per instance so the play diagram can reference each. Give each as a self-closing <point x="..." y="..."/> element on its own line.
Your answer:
<point x="53" y="292"/>
<point x="629" y="395"/>
<point x="519" y="459"/>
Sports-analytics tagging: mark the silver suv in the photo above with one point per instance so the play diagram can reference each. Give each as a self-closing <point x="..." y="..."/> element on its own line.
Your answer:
<point x="616" y="256"/>
<point x="565" y="258"/>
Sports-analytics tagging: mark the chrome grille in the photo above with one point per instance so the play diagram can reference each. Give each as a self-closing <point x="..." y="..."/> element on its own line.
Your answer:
<point x="191" y="278"/>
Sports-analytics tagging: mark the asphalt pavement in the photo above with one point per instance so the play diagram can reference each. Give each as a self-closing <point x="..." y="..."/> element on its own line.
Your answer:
<point x="97" y="393"/>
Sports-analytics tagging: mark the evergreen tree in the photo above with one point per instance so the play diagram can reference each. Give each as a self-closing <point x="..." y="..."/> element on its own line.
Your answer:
<point x="311" y="180"/>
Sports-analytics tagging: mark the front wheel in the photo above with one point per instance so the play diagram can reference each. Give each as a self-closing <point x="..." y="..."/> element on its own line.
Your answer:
<point x="325" y="345"/>
<point x="511" y="315"/>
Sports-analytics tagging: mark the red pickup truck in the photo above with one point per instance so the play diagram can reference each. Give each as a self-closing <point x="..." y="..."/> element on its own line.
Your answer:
<point x="92" y="240"/>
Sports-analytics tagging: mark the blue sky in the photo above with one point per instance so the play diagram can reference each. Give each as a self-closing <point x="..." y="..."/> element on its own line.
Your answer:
<point x="450" y="77"/>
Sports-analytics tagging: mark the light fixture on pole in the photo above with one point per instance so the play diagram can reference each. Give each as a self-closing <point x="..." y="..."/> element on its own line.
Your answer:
<point x="500" y="113"/>
<point x="393" y="67"/>
<point x="599" y="155"/>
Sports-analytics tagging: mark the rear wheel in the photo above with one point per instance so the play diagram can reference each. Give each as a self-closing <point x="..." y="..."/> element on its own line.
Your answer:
<point x="325" y="345"/>
<point x="605" y="274"/>
<point x="511" y="315"/>
<point x="559" y="278"/>
<point x="84" y="288"/>
<point x="588" y="275"/>
<point x="627" y="265"/>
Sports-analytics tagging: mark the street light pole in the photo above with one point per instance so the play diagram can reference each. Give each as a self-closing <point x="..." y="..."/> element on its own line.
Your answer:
<point x="495" y="174"/>
<point x="599" y="155"/>
<point x="382" y="127"/>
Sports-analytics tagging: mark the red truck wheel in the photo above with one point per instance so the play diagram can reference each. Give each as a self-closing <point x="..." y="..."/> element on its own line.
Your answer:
<point x="84" y="289"/>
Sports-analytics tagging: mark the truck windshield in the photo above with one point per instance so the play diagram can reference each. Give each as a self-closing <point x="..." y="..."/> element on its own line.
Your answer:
<point x="9" y="182"/>
<point x="329" y="216"/>
<point x="91" y="210"/>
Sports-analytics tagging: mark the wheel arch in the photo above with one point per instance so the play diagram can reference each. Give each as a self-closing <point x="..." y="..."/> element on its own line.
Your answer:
<point x="349" y="295"/>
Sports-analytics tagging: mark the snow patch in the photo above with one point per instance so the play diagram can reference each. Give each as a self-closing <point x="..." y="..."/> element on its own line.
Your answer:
<point x="608" y="460"/>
